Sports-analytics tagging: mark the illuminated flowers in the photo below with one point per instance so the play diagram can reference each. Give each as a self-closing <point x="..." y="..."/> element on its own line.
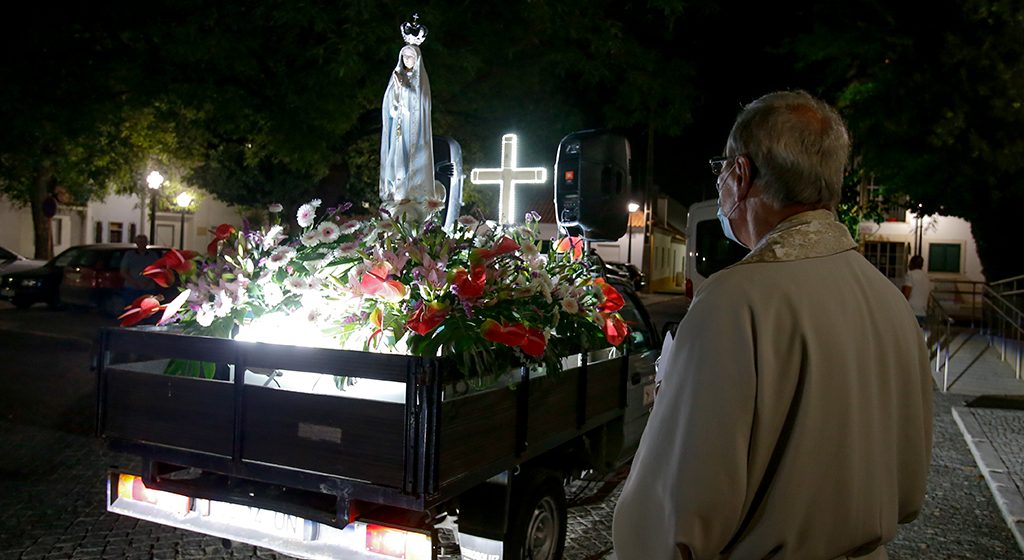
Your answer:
<point x="571" y="245"/>
<point x="530" y="340"/>
<point x="611" y="298"/>
<point x="469" y="284"/>
<point x="427" y="317"/>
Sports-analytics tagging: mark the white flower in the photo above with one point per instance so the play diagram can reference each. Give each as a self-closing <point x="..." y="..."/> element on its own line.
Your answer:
<point x="280" y="257"/>
<point x="349" y="227"/>
<point x="204" y="315"/>
<point x="532" y="216"/>
<point x="469" y="222"/>
<point x="434" y="204"/>
<point x="313" y="314"/>
<point x="273" y="236"/>
<point x="348" y="248"/>
<point x="310" y="238"/>
<point x="570" y="305"/>
<point x="296" y="283"/>
<point x="386" y="225"/>
<point x="272" y="294"/>
<point x="275" y="208"/>
<point x="315" y="203"/>
<point x="222" y="303"/>
<point x="328" y="232"/>
<point x="529" y="249"/>
<point x="306" y="214"/>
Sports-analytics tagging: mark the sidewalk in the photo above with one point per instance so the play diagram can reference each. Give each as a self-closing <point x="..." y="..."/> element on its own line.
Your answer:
<point x="992" y="422"/>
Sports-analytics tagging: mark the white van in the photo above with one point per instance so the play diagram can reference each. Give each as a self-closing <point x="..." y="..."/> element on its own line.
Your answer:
<point x="708" y="249"/>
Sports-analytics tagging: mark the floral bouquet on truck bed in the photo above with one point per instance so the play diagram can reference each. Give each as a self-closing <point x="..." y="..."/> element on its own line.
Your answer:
<point x="488" y="296"/>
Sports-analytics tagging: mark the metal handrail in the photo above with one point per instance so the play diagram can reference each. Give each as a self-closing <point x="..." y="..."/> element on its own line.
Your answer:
<point x="938" y="324"/>
<point x="1009" y="286"/>
<point x="968" y="296"/>
<point x="1002" y="315"/>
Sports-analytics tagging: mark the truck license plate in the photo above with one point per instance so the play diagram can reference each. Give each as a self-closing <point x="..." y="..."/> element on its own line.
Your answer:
<point x="276" y="523"/>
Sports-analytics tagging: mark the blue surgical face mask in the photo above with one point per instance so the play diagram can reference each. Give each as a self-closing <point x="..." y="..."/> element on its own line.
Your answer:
<point x="723" y="218"/>
<point x="726" y="226"/>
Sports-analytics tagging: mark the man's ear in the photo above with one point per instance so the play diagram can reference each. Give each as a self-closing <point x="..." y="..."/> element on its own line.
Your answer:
<point x="744" y="177"/>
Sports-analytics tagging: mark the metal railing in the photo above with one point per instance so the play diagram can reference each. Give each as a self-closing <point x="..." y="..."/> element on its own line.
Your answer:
<point x="939" y="328"/>
<point x="1003" y="319"/>
<point x="996" y="309"/>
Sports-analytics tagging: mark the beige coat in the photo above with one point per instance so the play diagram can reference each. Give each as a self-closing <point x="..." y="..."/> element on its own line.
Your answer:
<point x="794" y="419"/>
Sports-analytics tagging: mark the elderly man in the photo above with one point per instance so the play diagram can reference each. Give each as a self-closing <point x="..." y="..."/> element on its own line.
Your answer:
<point x="794" y="419"/>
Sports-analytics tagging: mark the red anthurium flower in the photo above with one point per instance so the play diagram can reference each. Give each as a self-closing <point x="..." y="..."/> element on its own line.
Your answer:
<point x="375" y="282"/>
<point x="179" y="261"/>
<point x="504" y="246"/>
<point x="469" y="285"/>
<point x="535" y="343"/>
<point x="223" y="231"/>
<point x="612" y="298"/>
<point x="427" y="317"/>
<point x="142" y="307"/>
<point x="531" y="341"/>
<point x="574" y="244"/>
<point x="509" y="335"/>
<point x="160" y="274"/>
<point x="615" y="329"/>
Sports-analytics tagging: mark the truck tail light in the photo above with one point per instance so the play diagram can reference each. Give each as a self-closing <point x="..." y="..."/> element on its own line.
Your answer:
<point x="397" y="543"/>
<point x="130" y="487"/>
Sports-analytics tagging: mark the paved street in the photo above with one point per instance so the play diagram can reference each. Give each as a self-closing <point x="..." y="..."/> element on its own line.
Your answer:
<point x="52" y="470"/>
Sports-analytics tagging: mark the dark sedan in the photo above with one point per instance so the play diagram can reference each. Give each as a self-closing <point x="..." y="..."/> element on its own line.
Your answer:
<point x="37" y="285"/>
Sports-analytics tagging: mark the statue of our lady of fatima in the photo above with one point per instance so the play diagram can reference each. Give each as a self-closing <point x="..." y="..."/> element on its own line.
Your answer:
<point x="406" y="142"/>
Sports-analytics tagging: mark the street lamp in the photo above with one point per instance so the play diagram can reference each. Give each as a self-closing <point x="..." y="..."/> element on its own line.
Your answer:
<point x="183" y="200"/>
<point x="154" y="180"/>
<point x="632" y="207"/>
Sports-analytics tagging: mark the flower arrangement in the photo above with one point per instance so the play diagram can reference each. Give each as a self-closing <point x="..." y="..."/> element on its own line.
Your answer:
<point x="488" y="296"/>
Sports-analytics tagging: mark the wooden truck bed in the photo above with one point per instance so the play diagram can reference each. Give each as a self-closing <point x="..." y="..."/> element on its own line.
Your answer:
<point x="416" y="448"/>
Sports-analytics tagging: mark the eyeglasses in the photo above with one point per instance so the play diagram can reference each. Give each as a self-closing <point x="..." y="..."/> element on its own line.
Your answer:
<point x="718" y="164"/>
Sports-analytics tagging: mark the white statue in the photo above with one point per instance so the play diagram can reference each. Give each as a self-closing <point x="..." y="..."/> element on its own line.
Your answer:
<point x="406" y="143"/>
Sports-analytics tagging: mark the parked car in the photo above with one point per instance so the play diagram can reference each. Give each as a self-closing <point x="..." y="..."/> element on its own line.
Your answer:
<point x="13" y="262"/>
<point x="37" y="285"/>
<point x="629" y="272"/>
<point x="92" y="278"/>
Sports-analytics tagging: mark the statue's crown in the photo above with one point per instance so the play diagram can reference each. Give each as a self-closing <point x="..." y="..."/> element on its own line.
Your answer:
<point x="414" y="33"/>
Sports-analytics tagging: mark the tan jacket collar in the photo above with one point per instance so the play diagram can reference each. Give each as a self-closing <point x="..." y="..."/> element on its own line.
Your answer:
<point x="802" y="236"/>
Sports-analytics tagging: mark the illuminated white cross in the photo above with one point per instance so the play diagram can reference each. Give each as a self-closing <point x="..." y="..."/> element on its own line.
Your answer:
<point x="508" y="176"/>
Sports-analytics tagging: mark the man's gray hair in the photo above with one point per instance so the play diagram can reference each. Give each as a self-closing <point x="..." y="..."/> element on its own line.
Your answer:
<point x="799" y="146"/>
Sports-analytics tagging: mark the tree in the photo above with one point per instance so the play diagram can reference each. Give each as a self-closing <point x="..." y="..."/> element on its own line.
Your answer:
<point x="70" y="124"/>
<point x="934" y="105"/>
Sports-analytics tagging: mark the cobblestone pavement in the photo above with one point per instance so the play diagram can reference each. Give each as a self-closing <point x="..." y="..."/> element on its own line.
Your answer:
<point x="1005" y="431"/>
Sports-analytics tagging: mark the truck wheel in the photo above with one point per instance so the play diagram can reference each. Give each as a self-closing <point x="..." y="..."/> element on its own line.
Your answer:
<point x="538" y="519"/>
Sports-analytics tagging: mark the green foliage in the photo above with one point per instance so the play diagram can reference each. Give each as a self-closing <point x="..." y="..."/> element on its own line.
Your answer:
<point x="935" y="109"/>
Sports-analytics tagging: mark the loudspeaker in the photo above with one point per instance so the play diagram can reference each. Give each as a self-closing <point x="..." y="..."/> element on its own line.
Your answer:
<point x="592" y="184"/>
<point x="448" y="170"/>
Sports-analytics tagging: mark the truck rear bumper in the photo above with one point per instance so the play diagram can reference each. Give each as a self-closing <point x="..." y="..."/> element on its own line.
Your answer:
<point x="289" y="534"/>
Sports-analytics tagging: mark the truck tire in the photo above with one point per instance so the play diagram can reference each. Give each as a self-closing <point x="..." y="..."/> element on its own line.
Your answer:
<point x="537" y="518"/>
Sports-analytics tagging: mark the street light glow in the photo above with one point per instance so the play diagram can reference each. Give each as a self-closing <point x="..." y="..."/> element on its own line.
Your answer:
<point x="154" y="180"/>
<point x="183" y="199"/>
<point x="633" y="207"/>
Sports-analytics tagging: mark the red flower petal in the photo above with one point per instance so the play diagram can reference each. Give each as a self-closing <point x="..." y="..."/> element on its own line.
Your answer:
<point x="509" y="335"/>
<point x="612" y="298"/>
<point x="615" y="329"/>
<point x="535" y="343"/>
<point x="223" y="231"/>
<point x="574" y="244"/>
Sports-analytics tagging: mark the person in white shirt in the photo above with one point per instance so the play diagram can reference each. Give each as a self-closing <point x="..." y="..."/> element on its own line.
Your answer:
<point x="917" y="287"/>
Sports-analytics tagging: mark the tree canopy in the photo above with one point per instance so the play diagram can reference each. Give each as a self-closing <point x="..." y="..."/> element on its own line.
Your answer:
<point x="276" y="101"/>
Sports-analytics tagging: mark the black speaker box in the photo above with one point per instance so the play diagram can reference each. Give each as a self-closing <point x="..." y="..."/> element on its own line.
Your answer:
<point x="592" y="184"/>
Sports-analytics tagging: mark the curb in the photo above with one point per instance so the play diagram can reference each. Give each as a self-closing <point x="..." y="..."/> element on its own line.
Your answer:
<point x="1007" y="496"/>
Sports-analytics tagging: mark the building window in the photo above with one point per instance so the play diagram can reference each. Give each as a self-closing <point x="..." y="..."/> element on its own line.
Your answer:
<point x="97" y="233"/>
<point x="944" y="257"/>
<point x="890" y="258"/>
<point x="116" y="232"/>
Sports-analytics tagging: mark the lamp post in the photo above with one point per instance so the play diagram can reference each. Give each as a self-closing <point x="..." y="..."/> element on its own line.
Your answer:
<point x="154" y="180"/>
<point x="183" y="200"/>
<point x="632" y="207"/>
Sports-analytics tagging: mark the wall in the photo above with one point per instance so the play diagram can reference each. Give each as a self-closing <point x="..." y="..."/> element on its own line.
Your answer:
<point x="936" y="229"/>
